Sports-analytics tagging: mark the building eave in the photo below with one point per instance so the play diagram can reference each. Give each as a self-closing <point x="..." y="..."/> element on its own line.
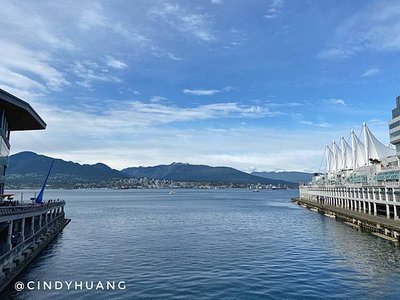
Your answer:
<point x="21" y="115"/>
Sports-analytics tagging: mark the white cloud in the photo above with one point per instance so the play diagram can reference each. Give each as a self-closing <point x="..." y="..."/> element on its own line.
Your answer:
<point x="274" y="9"/>
<point x="219" y="2"/>
<point x="125" y="115"/>
<point x="209" y="92"/>
<point x="321" y="124"/>
<point x="375" y="26"/>
<point x="114" y="63"/>
<point x="238" y="37"/>
<point x="16" y="80"/>
<point x="173" y="57"/>
<point x="199" y="92"/>
<point x="94" y="18"/>
<point x="335" y="101"/>
<point x="18" y="59"/>
<point x="370" y="72"/>
<point x="336" y="53"/>
<point x="182" y="20"/>
<point x="145" y="114"/>
<point x="52" y="45"/>
<point x="89" y="72"/>
<point x="35" y="29"/>
<point x="158" y="99"/>
<point x="269" y="159"/>
<point x="287" y="104"/>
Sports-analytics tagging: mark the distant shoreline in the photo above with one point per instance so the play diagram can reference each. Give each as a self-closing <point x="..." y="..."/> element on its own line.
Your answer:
<point x="135" y="189"/>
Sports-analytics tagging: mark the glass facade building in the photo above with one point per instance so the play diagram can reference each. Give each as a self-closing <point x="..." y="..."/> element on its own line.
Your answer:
<point x="394" y="126"/>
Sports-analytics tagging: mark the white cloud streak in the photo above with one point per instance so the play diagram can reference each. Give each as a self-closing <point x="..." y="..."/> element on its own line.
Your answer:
<point x="370" y="72"/>
<point x="158" y="99"/>
<point x="115" y="63"/>
<point x="274" y="9"/>
<point x="207" y="92"/>
<point x="16" y="59"/>
<point x="30" y="26"/>
<point x="199" y="92"/>
<point x="90" y="72"/>
<point x="335" y="101"/>
<point x="322" y="124"/>
<point x="197" y="25"/>
<point x="337" y="53"/>
<point x="376" y="26"/>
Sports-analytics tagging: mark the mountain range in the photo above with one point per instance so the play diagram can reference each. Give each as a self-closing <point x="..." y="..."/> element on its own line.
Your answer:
<point x="200" y="173"/>
<point x="29" y="169"/>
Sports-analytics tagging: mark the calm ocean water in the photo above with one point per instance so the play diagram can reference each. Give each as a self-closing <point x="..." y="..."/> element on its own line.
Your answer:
<point x="225" y="244"/>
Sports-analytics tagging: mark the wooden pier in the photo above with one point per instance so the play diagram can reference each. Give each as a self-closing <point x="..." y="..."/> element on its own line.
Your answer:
<point x="383" y="226"/>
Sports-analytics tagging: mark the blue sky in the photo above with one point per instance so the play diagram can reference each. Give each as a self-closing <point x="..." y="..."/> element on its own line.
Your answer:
<point x="255" y="84"/>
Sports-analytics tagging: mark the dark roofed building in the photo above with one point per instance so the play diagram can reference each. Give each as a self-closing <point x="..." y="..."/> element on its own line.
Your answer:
<point x="15" y="115"/>
<point x="25" y="228"/>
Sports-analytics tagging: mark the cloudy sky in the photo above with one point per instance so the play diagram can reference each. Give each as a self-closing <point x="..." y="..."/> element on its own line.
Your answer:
<point x="255" y="84"/>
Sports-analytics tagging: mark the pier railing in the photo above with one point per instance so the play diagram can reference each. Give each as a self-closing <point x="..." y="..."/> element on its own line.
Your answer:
<point x="393" y="184"/>
<point x="11" y="210"/>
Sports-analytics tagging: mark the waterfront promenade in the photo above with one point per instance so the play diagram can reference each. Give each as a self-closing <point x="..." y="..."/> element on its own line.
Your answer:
<point x="373" y="223"/>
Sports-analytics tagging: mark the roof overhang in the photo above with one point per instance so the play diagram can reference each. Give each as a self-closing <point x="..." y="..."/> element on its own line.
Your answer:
<point x="20" y="115"/>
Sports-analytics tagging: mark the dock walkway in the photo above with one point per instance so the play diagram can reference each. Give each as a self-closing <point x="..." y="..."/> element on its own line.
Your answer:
<point x="345" y="214"/>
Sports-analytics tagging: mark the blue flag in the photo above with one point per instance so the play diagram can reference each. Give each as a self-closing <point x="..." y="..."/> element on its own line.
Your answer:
<point x="39" y="197"/>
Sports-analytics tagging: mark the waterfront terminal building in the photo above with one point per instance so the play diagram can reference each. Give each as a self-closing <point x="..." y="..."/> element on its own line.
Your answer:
<point x="25" y="228"/>
<point x="362" y="176"/>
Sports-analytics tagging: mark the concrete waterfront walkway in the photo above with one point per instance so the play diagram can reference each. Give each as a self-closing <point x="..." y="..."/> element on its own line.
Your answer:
<point x="377" y="220"/>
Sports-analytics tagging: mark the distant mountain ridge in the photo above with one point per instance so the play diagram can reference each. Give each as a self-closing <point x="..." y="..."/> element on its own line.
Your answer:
<point x="27" y="169"/>
<point x="200" y="173"/>
<point x="31" y="168"/>
<point x="297" y="177"/>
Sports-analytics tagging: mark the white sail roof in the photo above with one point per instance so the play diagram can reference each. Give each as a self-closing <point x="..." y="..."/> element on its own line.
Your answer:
<point x="357" y="155"/>
<point x="337" y="155"/>
<point x="359" y="159"/>
<point x="374" y="148"/>
<point x="330" y="161"/>
<point x="347" y="155"/>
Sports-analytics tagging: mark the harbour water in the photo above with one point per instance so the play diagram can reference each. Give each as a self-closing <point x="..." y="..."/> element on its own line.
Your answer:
<point x="202" y="244"/>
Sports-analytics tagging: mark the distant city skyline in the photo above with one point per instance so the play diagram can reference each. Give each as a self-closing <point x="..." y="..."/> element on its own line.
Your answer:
<point x="255" y="85"/>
